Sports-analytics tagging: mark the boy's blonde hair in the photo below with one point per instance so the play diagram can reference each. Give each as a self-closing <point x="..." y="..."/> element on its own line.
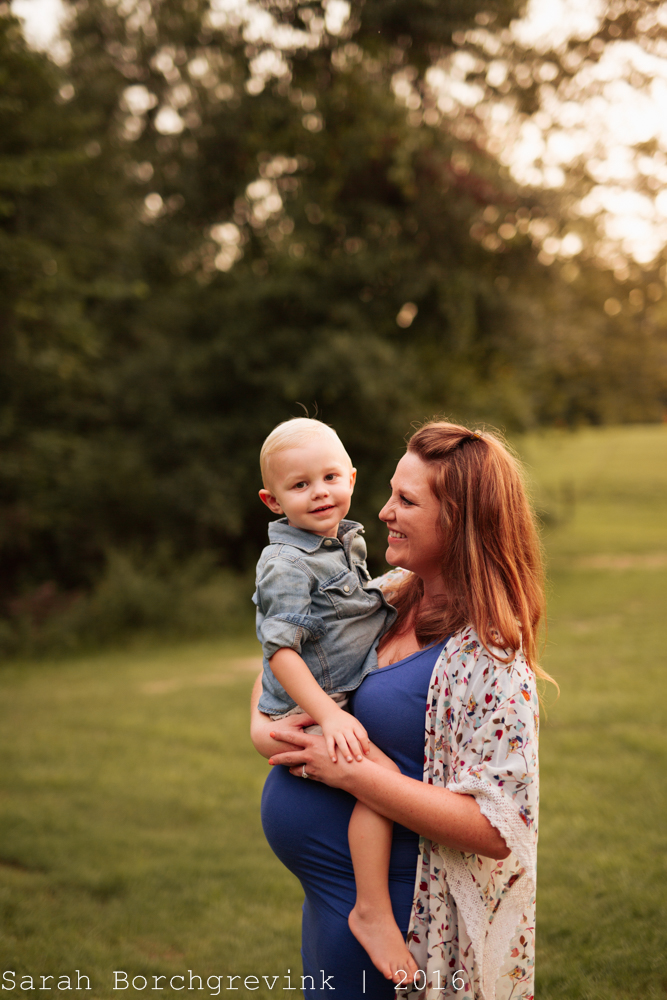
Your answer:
<point x="291" y="434"/>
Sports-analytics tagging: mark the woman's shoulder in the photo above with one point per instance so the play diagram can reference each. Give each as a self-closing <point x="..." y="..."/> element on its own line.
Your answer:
<point x="466" y="655"/>
<point x="389" y="582"/>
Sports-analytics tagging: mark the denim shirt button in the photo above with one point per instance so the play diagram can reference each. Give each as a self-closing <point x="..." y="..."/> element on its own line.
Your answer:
<point x="327" y="541"/>
<point x="346" y="589"/>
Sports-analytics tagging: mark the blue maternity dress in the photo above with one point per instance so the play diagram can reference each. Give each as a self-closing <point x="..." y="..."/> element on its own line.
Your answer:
<point x="306" y="823"/>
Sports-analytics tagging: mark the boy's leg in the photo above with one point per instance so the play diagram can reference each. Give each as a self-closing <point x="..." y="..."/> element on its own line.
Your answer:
<point x="372" y="919"/>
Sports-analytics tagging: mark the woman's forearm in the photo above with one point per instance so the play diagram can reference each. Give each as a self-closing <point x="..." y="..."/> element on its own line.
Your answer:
<point x="436" y="813"/>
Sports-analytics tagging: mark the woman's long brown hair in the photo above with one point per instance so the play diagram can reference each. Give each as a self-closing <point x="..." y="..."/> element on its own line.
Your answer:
<point x="491" y="555"/>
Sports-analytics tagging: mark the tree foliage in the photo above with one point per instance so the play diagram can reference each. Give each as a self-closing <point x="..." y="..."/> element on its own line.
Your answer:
<point x="204" y="230"/>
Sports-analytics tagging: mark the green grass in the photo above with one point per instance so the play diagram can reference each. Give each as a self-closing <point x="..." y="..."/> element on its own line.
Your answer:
<point x="602" y="491"/>
<point x="130" y="832"/>
<point x="602" y="886"/>
<point x="129" y="827"/>
<point x="602" y="910"/>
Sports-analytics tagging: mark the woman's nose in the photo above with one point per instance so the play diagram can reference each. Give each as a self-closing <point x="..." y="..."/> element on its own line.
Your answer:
<point x="386" y="513"/>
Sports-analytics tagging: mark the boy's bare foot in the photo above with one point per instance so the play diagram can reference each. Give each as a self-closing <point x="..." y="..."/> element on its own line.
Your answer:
<point x="379" y="935"/>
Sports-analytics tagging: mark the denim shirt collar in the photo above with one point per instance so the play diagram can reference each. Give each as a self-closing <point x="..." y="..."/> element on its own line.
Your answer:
<point x="282" y="532"/>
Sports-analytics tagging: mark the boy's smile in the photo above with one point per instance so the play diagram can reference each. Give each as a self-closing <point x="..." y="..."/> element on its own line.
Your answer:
<point x="312" y="485"/>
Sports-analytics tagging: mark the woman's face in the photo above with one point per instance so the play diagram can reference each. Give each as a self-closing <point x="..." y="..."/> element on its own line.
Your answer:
<point x="412" y="517"/>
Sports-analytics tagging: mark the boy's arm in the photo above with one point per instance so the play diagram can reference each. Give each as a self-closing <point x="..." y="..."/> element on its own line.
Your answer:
<point x="261" y="725"/>
<point x="338" y="727"/>
<point x="284" y="605"/>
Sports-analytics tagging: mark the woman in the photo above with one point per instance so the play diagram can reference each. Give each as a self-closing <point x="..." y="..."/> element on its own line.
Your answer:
<point x="460" y="666"/>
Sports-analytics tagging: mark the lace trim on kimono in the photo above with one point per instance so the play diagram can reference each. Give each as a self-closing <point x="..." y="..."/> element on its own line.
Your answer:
<point x="491" y="937"/>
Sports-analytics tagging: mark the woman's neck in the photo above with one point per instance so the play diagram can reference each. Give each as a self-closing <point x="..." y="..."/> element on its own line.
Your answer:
<point x="434" y="590"/>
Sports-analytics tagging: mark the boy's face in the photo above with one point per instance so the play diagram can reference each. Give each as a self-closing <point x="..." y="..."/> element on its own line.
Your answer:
<point x="311" y="485"/>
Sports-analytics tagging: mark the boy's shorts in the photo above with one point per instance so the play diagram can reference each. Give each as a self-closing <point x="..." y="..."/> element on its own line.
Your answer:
<point x="341" y="700"/>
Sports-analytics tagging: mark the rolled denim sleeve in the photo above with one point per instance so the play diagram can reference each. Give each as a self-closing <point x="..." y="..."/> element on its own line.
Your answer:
<point x="284" y="599"/>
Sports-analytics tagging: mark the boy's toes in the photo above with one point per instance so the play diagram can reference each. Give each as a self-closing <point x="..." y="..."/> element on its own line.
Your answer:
<point x="404" y="971"/>
<point x="400" y="973"/>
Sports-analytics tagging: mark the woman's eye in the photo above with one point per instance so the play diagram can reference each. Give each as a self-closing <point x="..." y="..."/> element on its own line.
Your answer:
<point x="405" y="500"/>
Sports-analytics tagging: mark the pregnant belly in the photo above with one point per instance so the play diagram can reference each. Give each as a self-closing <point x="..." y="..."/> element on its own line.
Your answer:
<point x="306" y="823"/>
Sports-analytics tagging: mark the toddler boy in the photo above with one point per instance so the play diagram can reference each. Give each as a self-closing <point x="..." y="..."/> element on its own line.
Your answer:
<point x="319" y="622"/>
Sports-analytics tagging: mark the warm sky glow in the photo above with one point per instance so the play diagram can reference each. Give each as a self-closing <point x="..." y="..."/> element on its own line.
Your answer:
<point x="608" y="108"/>
<point x="41" y="18"/>
<point x="550" y="23"/>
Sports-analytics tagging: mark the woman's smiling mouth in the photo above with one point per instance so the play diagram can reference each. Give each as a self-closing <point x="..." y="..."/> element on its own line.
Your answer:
<point x="396" y="534"/>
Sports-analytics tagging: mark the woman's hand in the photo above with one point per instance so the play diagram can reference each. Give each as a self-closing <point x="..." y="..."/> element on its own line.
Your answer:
<point x="310" y="751"/>
<point x="266" y="744"/>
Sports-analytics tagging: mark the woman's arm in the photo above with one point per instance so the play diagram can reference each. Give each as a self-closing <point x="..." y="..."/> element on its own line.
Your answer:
<point x="443" y="816"/>
<point x="262" y="725"/>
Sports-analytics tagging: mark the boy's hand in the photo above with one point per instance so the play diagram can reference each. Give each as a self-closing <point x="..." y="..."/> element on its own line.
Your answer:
<point x="342" y="730"/>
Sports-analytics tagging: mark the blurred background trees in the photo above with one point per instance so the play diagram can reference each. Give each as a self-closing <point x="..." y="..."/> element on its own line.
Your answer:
<point x="213" y="214"/>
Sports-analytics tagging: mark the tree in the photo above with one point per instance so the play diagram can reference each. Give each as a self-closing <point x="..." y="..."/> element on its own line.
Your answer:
<point x="53" y="235"/>
<point x="252" y="214"/>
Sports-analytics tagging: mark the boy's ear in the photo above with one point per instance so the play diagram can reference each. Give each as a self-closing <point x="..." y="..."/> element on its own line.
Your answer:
<point x="353" y="478"/>
<point x="268" y="498"/>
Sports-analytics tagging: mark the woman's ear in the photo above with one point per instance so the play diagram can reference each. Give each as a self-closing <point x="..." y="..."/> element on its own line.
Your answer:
<point x="268" y="498"/>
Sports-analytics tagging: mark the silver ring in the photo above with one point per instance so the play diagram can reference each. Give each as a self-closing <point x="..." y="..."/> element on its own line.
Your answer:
<point x="303" y="772"/>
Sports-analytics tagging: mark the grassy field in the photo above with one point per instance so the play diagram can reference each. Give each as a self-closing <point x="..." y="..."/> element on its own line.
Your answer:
<point x="602" y="900"/>
<point x="129" y="830"/>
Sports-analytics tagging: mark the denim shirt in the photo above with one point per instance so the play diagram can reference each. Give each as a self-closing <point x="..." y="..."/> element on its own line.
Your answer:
<point x="313" y="596"/>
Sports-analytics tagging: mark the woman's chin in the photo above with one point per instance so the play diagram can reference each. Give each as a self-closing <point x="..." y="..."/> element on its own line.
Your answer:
<point x="391" y="556"/>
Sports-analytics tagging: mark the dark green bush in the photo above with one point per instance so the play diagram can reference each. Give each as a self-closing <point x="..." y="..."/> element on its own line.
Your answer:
<point x="157" y="595"/>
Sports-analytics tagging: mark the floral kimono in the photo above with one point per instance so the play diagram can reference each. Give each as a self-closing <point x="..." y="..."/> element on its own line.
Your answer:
<point x="472" y="928"/>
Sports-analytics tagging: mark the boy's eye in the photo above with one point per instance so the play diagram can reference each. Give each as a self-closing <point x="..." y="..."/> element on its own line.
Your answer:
<point x="300" y="486"/>
<point x="330" y="476"/>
